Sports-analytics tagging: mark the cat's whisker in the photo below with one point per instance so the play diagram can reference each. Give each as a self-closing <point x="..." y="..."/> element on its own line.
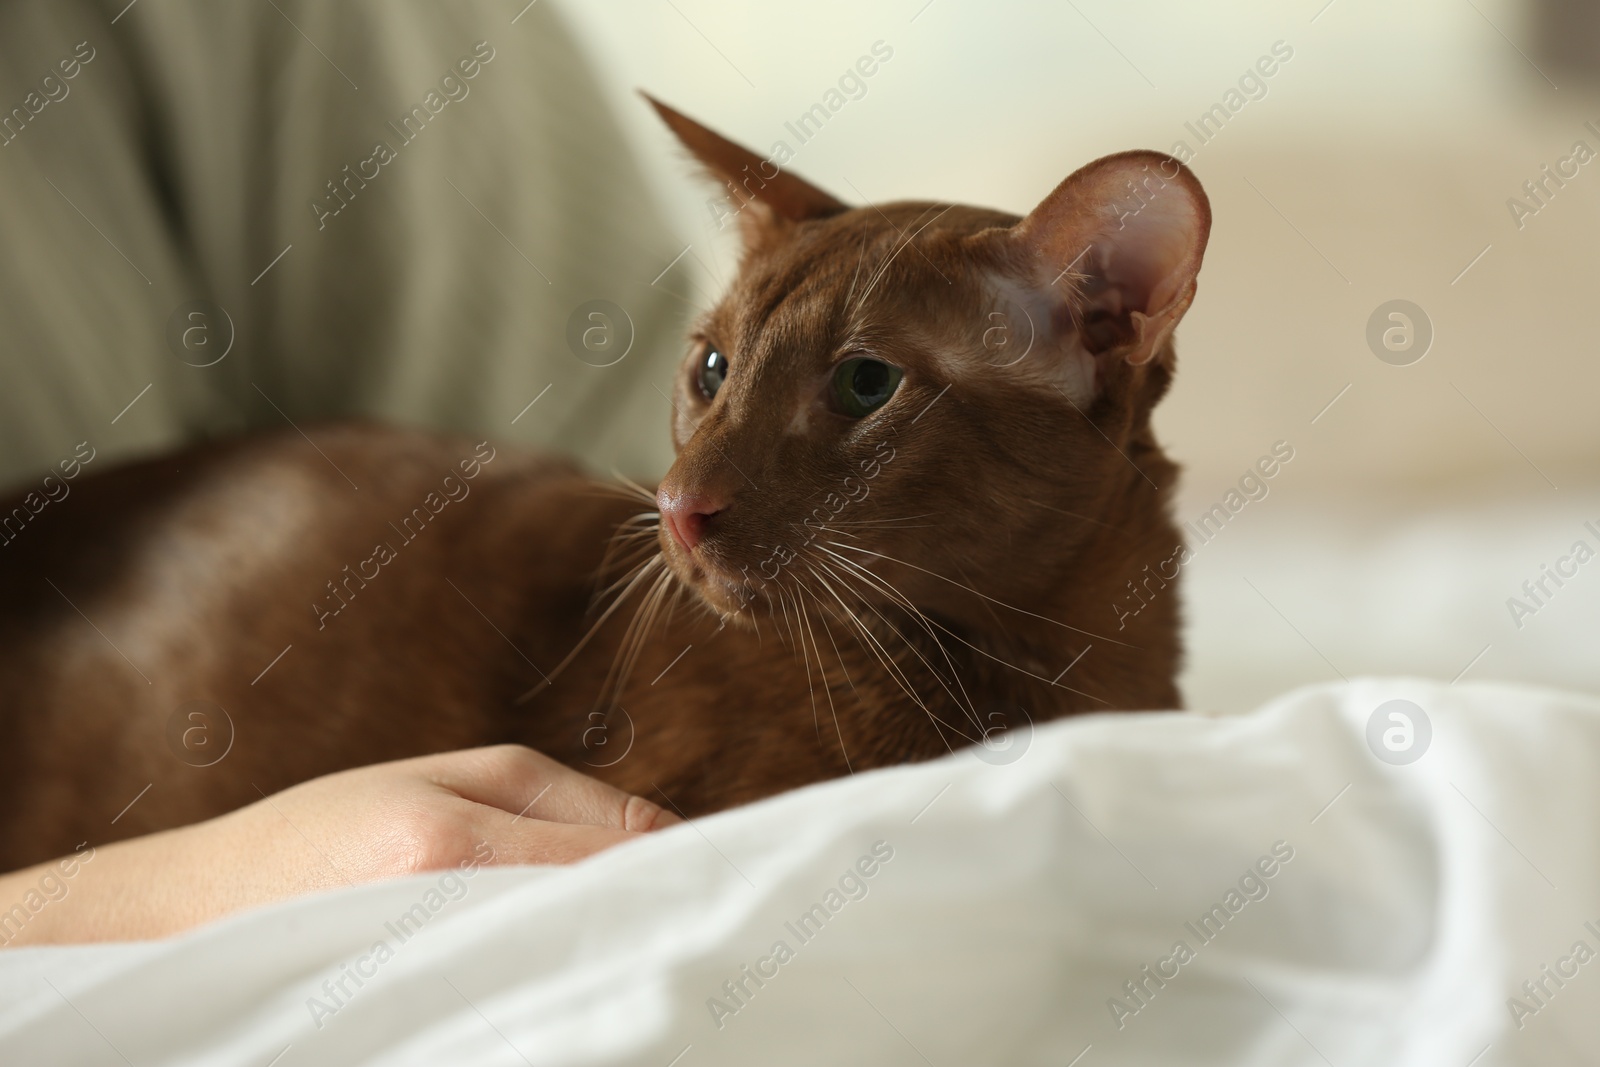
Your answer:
<point x="796" y="637"/>
<point x="892" y="256"/>
<point x="651" y="610"/>
<point x="871" y="644"/>
<point x="627" y="490"/>
<point x="800" y="610"/>
<point x="918" y="617"/>
<point x="625" y="551"/>
<point x="869" y="641"/>
<point x="999" y="627"/>
<point x="772" y="610"/>
<point x="774" y="606"/>
<point x="633" y="641"/>
<point x="786" y="635"/>
<point x="647" y="524"/>
<point x="1071" y="514"/>
<point x="882" y="584"/>
<point x="783" y="602"/>
<point x="884" y="524"/>
<point x="755" y="617"/>
<point x="627" y="576"/>
<point x="822" y="620"/>
<point x="823" y="613"/>
<point x="645" y="527"/>
<point x="1022" y="670"/>
<point x="678" y="593"/>
<point x="844" y="668"/>
<point x="985" y="596"/>
<point x="660" y="611"/>
<point x="982" y="651"/>
<point x="633" y="537"/>
<point x="964" y="702"/>
<point x="860" y="258"/>
<point x="927" y="622"/>
<point x="638" y="576"/>
<point x="625" y="644"/>
<point x="832" y="530"/>
<point x="885" y="521"/>
<point x="626" y="486"/>
<point x="634" y="525"/>
<point x="772" y="613"/>
<point x="878" y="271"/>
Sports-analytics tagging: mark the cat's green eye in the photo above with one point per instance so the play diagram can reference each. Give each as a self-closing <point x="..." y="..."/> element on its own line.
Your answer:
<point x="713" y="371"/>
<point x="863" y="385"/>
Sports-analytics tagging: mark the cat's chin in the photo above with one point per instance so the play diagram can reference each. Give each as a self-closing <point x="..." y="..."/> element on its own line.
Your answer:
<point x="731" y="599"/>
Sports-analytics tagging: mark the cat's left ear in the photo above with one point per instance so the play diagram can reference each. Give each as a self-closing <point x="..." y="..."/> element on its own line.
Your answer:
<point x="1116" y="247"/>
<point x="766" y="199"/>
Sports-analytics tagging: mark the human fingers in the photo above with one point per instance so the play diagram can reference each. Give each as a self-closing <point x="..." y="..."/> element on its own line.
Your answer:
<point x="499" y="840"/>
<point x="529" y="784"/>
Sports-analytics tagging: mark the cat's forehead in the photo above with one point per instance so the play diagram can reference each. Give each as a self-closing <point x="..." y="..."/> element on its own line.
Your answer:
<point x="848" y="274"/>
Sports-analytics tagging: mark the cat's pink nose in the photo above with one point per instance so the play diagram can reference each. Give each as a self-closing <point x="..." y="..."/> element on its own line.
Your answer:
<point x="685" y="515"/>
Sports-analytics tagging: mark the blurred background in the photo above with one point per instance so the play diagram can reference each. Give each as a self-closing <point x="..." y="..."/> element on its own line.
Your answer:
<point x="1380" y="161"/>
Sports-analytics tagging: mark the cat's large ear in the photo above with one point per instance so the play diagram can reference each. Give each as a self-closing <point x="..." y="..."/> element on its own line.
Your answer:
<point x="1113" y="252"/>
<point x="765" y="198"/>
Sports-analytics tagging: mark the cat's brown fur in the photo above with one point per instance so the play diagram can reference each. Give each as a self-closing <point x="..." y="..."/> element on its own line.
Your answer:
<point x="1008" y="504"/>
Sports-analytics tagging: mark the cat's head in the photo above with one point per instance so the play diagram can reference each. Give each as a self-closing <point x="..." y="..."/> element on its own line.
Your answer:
<point x="910" y="400"/>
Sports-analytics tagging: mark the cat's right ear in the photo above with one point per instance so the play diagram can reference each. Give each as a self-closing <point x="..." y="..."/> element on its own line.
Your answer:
<point x="766" y="199"/>
<point x="1112" y="254"/>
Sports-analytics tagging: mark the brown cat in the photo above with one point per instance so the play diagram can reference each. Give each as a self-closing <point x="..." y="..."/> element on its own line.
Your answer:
<point x="915" y="472"/>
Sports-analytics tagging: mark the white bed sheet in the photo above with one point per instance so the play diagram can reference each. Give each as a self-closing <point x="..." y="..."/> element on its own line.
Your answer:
<point x="1019" y="899"/>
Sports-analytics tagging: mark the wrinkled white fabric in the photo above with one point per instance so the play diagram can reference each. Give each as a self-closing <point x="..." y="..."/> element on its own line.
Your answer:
<point x="1405" y="907"/>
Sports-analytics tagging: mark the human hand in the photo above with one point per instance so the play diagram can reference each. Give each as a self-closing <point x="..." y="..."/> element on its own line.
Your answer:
<point x="503" y="804"/>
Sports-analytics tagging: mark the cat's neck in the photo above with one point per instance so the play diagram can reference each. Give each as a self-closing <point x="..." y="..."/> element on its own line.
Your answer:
<point x="1099" y="632"/>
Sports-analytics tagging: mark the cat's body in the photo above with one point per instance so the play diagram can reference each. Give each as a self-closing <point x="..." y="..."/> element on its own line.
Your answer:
<point x="848" y="591"/>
